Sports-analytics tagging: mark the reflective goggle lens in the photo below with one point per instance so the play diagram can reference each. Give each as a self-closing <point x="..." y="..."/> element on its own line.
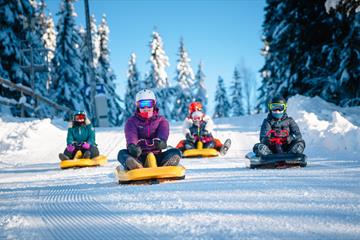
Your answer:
<point x="277" y="106"/>
<point x="148" y="103"/>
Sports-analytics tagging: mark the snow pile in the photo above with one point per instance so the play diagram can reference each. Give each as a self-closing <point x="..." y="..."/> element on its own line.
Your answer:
<point x="20" y="136"/>
<point x="325" y="126"/>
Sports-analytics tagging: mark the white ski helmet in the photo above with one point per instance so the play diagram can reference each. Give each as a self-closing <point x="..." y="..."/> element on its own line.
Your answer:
<point x="144" y="95"/>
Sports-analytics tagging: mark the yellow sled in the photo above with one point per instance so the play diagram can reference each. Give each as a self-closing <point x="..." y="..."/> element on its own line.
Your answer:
<point x="83" y="162"/>
<point x="199" y="151"/>
<point x="151" y="173"/>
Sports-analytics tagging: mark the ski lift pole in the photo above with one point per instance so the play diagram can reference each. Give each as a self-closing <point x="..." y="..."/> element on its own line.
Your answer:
<point x="91" y="63"/>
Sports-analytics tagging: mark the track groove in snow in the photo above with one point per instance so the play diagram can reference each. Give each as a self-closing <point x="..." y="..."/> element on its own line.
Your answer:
<point x="71" y="214"/>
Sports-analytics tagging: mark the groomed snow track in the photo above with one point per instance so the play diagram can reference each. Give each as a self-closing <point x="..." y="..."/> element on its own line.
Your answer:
<point x="70" y="214"/>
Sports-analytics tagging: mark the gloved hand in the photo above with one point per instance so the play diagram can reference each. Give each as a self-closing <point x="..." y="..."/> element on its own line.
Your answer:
<point x="85" y="146"/>
<point x="159" y="144"/>
<point x="190" y="138"/>
<point x="134" y="150"/>
<point x="70" y="148"/>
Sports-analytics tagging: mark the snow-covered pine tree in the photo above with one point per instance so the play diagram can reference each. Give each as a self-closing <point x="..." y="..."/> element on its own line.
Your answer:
<point x="49" y="37"/>
<point x="47" y="31"/>
<point x="17" y="32"/>
<point x="158" y="78"/>
<point x="67" y="83"/>
<point x="200" y="93"/>
<point x="159" y="62"/>
<point x="343" y="6"/>
<point x="341" y="56"/>
<point x="222" y="104"/>
<point x="133" y="86"/>
<point x="185" y="81"/>
<point x="237" y="105"/>
<point x="283" y="49"/>
<point x="95" y="38"/>
<point x="324" y="61"/>
<point x="46" y="28"/>
<point x="108" y="77"/>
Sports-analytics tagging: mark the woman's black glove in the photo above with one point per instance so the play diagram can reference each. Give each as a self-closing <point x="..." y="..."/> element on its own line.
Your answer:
<point x="134" y="150"/>
<point x="159" y="144"/>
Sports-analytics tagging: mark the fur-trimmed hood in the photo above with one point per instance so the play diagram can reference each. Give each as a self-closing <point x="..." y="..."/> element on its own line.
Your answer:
<point x="188" y="122"/>
<point x="87" y="122"/>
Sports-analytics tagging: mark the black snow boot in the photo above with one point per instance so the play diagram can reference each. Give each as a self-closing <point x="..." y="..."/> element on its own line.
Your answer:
<point x="86" y="154"/>
<point x="132" y="163"/>
<point x="63" y="157"/>
<point x="262" y="150"/>
<point x="298" y="147"/>
<point x="173" y="161"/>
<point x="225" y="147"/>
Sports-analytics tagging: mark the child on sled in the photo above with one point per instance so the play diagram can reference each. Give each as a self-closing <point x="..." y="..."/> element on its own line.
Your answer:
<point x="197" y="127"/>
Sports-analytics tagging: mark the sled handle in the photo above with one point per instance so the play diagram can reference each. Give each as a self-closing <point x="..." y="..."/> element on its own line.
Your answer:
<point x="146" y="142"/>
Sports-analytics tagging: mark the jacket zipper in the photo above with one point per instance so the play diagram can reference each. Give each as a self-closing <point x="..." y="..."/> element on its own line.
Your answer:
<point x="148" y="125"/>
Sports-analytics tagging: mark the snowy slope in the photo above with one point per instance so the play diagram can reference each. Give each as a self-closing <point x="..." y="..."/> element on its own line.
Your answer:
<point x="219" y="199"/>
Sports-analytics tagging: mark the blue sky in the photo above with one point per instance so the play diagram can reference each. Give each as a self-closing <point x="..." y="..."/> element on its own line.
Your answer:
<point x="221" y="33"/>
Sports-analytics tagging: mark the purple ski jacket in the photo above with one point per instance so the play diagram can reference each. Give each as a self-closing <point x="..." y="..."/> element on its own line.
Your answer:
<point x="137" y="128"/>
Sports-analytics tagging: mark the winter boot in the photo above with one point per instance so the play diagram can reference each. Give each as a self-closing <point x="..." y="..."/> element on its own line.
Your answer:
<point x="132" y="163"/>
<point x="173" y="161"/>
<point x="262" y="150"/>
<point x="297" y="147"/>
<point x="225" y="147"/>
<point x="86" y="154"/>
<point x="63" y="157"/>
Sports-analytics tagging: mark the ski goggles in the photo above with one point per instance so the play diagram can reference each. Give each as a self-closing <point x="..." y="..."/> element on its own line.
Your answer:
<point x="80" y="118"/>
<point x="147" y="103"/>
<point x="277" y="107"/>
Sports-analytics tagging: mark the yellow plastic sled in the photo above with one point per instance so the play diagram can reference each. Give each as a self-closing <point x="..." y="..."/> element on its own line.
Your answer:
<point x="199" y="151"/>
<point x="151" y="173"/>
<point x="83" y="162"/>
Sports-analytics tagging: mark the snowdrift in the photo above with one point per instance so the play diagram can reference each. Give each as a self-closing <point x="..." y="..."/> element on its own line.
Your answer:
<point x="29" y="136"/>
<point x="326" y="127"/>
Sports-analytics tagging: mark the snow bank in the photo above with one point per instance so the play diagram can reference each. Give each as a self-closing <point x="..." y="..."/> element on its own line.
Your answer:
<point x="326" y="127"/>
<point x="20" y="136"/>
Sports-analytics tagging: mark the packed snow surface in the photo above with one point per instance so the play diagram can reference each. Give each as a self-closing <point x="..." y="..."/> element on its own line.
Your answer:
<point x="219" y="199"/>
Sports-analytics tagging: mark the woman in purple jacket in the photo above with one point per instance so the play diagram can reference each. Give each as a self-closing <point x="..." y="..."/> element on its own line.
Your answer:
<point x="147" y="132"/>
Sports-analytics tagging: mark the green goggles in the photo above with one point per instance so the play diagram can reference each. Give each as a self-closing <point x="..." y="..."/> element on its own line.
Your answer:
<point x="277" y="107"/>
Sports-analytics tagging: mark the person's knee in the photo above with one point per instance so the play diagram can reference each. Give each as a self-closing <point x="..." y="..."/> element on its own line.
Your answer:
<point x="174" y="151"/>
<point x="122" y="156"/>
<point x="171" y="158"/>
<point x="94" y="151"/>
<point x="209" y="145"/>
<point x="189" y="145"/>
